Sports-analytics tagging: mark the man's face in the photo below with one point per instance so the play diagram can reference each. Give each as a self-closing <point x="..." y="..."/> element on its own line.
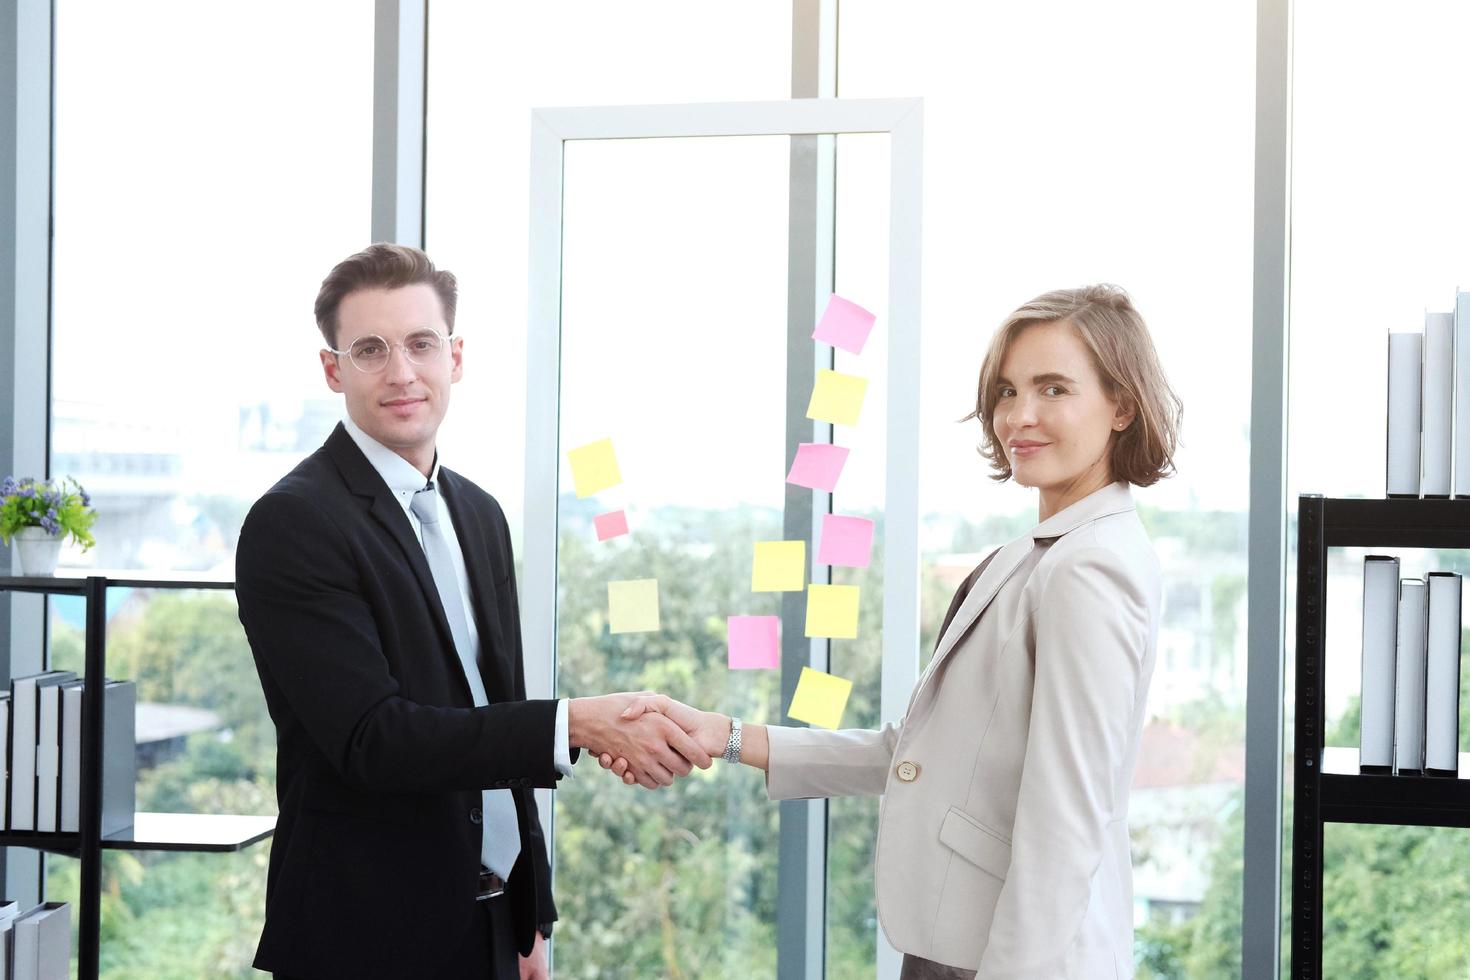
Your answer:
<point x="402" y="405"/>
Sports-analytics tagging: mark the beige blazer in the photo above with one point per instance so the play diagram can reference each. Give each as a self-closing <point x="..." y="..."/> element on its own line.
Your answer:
<point x="1002" y="834"/>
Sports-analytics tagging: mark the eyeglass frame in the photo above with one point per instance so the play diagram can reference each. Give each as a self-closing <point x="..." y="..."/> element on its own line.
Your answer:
<point x="446" y="341"/>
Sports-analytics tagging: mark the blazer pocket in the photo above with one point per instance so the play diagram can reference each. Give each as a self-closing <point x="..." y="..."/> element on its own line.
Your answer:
<point x="975" y="842"/>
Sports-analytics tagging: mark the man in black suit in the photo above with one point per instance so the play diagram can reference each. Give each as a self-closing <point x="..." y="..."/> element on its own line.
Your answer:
<point x="376" y="588"/>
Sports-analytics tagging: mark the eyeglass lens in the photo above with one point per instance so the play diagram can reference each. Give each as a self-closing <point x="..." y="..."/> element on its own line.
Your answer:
<point x="371" y="353"/>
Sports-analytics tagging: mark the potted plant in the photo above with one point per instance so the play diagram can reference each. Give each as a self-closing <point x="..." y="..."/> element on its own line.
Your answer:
<point x="40" y="515"/>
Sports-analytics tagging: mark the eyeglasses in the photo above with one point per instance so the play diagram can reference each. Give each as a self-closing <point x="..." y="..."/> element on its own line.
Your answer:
<point x="370" y="354"/>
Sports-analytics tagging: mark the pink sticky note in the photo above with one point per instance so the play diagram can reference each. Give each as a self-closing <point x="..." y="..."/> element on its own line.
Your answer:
<point x="817" y="466"/>
<point x="844" y="324"/>
<point x="755" y="642"/>
<point x="611" y="524"/>
<point x="846" y="541"/>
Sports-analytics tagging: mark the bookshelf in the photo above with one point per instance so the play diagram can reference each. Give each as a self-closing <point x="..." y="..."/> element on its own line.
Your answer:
<point x="1329" y="788"/>
<point x="150" y="831"/>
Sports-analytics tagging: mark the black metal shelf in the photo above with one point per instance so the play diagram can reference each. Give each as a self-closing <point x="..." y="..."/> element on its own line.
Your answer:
<point x="1350" y="796"/>
<point x="150" y="831"/>
<point x="179" y="832"/>
<point x="1328" y="786"/>
<point x="68" y="583"/>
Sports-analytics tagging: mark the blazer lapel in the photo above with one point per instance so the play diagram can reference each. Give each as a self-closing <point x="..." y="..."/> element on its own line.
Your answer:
<point x="989" y="583"/>
<point x="364" y="481"/>
<point x="474" y="542"/>
<point x="1115" y="498"/>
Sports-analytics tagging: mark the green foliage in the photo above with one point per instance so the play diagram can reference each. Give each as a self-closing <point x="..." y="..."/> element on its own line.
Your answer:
<point x="57" y="506"/>
<point x="683" y="882"/>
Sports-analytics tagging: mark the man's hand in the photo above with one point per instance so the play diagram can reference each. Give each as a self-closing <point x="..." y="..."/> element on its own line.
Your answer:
<point x="710" y="729"/>
<point x="655" y="748"/>
<point x="533" y="967"/>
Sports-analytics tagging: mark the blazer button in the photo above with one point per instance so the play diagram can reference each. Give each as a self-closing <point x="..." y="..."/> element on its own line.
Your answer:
<point x="908" y="771"/>
<point x="475" y="816"/>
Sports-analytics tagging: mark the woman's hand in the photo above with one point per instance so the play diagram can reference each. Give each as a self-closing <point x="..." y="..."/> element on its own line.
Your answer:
<point x="709" y="729"/>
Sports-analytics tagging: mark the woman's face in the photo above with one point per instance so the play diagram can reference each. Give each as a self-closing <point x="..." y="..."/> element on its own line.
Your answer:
<point x="1052" y="417"/>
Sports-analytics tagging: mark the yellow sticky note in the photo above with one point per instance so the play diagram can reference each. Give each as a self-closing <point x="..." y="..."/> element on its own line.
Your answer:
<point x="837" y="397"/>
<point x="819" y="698"/>
<point x="832" y="610"/>
<point x="780" y="566"/>
<point x="632" y="606"/>
<point x="594" y="467"/>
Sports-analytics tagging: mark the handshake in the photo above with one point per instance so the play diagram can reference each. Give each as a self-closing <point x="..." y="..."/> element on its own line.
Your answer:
<point x="650" y="739"/>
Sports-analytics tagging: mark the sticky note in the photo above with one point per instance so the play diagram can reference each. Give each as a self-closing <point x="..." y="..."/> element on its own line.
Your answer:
<point x="837" y="397"/>
<point x="632" y="606"/>
<point x="755" y="642"/>
<point x="817" y="465"/>
<point x="819" y="699"/>
<point x="594" y="467"/>
<point x="846" y="541"/>
<point x="612" y="524"/>
<point x="844" y="324"/>
<point x="832" y="610"/>
<point x="779" y="566"/>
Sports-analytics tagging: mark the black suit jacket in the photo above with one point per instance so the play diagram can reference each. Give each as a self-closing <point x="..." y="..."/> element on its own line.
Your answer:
<point x="381" y="754"/>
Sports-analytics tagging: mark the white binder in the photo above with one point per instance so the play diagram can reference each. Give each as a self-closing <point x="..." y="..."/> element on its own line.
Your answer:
<point x="1442" y="689"/>
<point x="43" y="943"/>
<point x="1409" y="679"/>
<point x="1405" y="361"/>
<point x="1438" y="387"/>
<point x="71" y="756"/>
<point x="1380" y="639"/>
<point x="23" y="707"/>
<point x="1462" y="393"/>
<point x="48" y="756"/>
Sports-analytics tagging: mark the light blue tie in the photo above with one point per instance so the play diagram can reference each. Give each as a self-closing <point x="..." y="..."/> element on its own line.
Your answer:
<point x="500" y="839"/>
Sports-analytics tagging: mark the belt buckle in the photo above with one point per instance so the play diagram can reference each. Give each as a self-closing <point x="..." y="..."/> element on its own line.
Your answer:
<point x="491" y="886"/>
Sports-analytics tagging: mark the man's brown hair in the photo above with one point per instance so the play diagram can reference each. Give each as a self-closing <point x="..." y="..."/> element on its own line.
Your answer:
<point x="381" y="266"/>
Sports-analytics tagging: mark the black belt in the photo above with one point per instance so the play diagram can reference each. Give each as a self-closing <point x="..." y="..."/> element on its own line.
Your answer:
<point x="491" y="885"/>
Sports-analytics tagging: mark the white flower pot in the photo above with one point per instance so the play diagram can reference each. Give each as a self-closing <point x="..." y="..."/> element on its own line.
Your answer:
<point x="38" y="550"/>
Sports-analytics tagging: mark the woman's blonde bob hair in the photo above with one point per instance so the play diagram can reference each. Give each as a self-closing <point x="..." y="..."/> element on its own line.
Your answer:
<point x="1123" y="355"/>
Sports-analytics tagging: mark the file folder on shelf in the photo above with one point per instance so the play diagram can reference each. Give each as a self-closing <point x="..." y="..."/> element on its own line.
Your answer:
<point x="24" y="703"/>
<point x="1405" y="363"/>
<point x="119" y="756"/>
<point x="1462" y="393"/>
<point x="1409" y="679"/>
<point x="1442" y="687"/>
<point x="43" y="943"/>
<point x="71" y="756"/>
<point x="1380" y="639"/>
<point x="48" y="755"/>
<point x="1438" y="411"/>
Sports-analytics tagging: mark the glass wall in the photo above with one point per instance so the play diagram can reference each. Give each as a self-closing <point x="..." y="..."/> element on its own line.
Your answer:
<point x="1379" y="208"/>
<point x="211" y="164"/>
<point x="1073" y="143"/>
<point x="489" y="66"/>
<point x="674" y="339"/>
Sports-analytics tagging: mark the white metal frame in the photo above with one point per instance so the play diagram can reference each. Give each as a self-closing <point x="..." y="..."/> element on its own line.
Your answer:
<point x="551" y="129"/>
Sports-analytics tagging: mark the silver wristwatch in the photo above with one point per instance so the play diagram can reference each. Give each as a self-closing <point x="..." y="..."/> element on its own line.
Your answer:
<point x="732" y="747"/>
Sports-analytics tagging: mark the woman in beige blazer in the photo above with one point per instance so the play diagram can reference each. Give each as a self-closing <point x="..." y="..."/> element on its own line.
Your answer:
<point x="1002" y="836"/>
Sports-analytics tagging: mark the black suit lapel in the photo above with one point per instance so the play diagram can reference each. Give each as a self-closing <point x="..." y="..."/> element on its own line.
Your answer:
<point x="364" y="481"/>
<point x="474" y="539"/>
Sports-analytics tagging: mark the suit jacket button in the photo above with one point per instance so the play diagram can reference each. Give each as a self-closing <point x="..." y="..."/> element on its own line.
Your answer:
<point x="908" y="771"/>
<point x="475" y="815"/>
